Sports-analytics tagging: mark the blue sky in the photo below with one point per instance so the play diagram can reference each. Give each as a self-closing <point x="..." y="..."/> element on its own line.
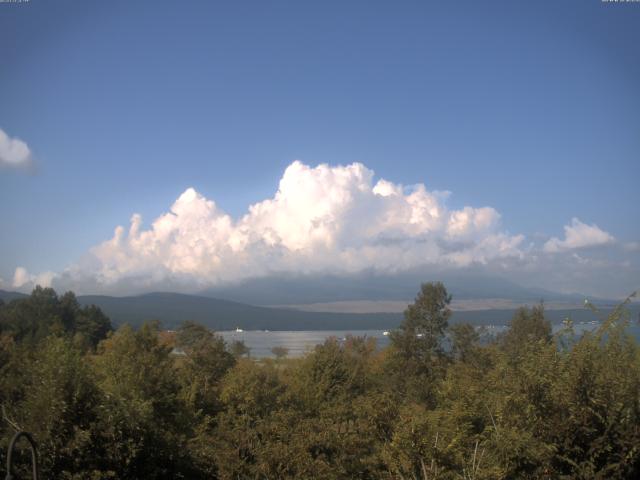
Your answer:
<point x="531" y="108"/>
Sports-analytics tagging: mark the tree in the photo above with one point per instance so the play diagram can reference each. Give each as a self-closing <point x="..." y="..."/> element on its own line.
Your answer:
<point x="429" y="313"/>
<point x="92" y="324"/>
<point x="596" y="426"/>
<point x="280" y="352"/>
<point x="417" y="356"/>
<point x="33" y="318"/>
<point x="239" y="349"/>
<point x="43" y="313"/>
<point x="464" y="340"/>
<point x="144" y="422"/>
<point x="527" y="326"/>
<point x="191" y="334"/>
<point x="205" y="363"/>
<point x="59" y="408"/>
<point x="251" y="395"/>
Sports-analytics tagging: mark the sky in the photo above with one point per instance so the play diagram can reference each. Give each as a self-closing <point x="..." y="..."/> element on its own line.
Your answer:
<point x="178" y="145"/>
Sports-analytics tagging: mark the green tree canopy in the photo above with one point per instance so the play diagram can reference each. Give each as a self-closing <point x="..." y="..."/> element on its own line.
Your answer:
<point x="43" y="312"/>
<point x="528" y="325"/>
<point x="417" y="353"/>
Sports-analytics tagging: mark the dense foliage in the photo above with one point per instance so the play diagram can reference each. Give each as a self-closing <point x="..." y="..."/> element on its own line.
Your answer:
<point x="435" y="404"/>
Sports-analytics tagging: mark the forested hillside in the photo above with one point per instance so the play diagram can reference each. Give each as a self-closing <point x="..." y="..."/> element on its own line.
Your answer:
<point x="106" y="404"/>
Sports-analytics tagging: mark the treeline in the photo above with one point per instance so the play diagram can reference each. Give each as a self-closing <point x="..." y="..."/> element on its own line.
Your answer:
<point x="106" y="404"/>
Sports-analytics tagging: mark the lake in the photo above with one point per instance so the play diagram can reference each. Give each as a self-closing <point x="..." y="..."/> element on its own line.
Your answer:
<point x="300" y="342"/>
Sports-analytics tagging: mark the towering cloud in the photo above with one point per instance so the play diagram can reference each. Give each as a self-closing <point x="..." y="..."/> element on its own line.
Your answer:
<point x="23" y="279"/>
<point x="321" y="219"/>
<point x="14" y="153"/>
<point x="578" y="235"/>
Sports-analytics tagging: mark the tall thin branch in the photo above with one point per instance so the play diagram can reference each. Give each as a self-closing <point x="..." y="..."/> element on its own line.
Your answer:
<point x="13" y="424"/>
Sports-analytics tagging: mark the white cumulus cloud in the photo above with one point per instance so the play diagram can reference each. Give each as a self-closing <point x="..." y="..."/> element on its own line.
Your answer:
<point x="14" y="153"/>
<point x="578" y="235"/>
<point x="23" y="280"/>
<point x="323" y="219"/>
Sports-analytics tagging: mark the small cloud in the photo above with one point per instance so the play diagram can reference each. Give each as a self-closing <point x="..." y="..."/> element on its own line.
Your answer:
<point x="22" y="279"/>
<point x="578" y="235"/>
<point x="14" y="153"/>
<point x="632" y="246"/>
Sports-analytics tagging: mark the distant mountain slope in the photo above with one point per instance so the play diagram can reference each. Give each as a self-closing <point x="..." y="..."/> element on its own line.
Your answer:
<point x="173" y="308"/>
<point x="296" y="290"/>
<point x="6" y="296"/>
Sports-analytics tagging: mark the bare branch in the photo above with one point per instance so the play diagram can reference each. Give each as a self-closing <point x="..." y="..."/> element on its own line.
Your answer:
<point x="13" y="424"/>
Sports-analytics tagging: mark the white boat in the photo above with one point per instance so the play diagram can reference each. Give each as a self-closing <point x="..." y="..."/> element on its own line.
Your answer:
<point x="385" y="333"/>
<point x="239" y="330"/>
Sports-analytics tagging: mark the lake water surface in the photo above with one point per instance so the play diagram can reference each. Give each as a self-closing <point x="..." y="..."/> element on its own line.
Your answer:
<point x="299" y="342"/>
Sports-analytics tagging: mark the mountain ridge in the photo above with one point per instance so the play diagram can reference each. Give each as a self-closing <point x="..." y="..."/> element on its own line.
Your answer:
<point x="218" y="314"/>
